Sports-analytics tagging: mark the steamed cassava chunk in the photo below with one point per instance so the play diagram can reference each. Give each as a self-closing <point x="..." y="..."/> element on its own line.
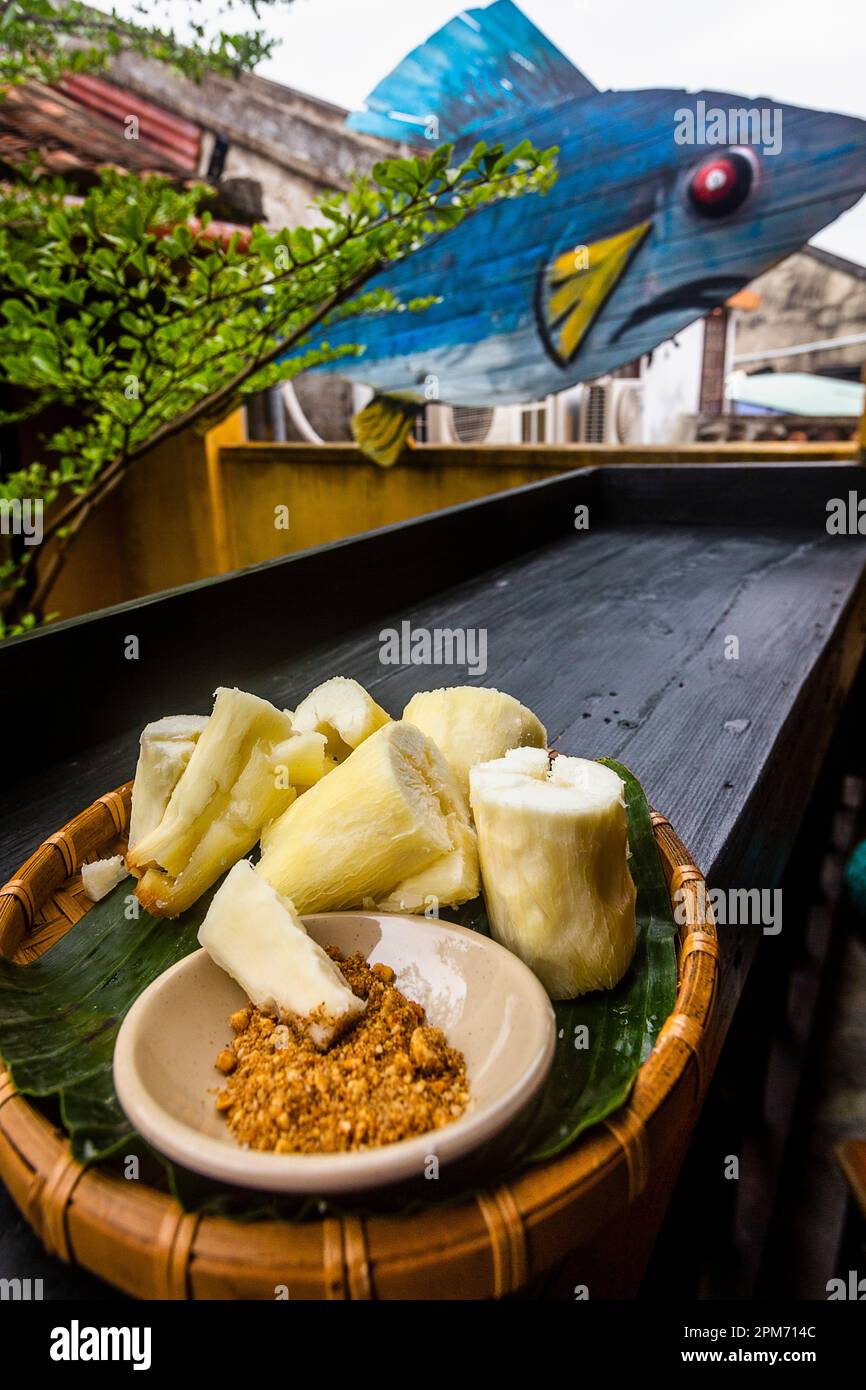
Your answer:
<point x="552" y="840"/>
<point x="343" y="711"/>
<point x="236" y="781"/>
<point x="254" y="933"/>
<point x="165" y="748"/>
<point x="387" y="815"/>
<point x="472" y="724"/>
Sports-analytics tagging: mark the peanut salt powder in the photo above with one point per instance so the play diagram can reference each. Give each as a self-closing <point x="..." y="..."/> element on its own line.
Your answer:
<point x="388" y="1078"/>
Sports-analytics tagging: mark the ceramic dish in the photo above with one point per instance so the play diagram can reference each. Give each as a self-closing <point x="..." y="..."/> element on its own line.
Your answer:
<point x="485" y="1000"/>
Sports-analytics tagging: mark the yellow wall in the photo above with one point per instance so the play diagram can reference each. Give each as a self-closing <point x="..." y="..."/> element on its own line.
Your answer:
<point x="198" y="507"/>
<point x="160" y="528"/>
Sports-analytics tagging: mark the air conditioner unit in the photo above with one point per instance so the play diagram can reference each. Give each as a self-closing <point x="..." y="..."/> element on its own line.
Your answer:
<point x="503" y="424"/>
<point x="611" y="412"/>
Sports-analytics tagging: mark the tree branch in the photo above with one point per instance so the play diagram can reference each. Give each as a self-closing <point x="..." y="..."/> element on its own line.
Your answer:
<point x="210" y="405"/>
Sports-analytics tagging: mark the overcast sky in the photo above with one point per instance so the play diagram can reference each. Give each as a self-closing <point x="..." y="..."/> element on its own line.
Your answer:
<point x="797" y="51"/>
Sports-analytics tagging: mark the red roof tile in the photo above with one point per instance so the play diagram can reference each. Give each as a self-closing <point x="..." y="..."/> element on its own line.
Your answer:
<point x="72" y="139"/>
<point x="161" y="130"/>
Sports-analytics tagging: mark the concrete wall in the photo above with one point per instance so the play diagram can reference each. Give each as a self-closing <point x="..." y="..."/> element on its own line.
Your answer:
<point x="808" y="296"/>
<point x="295" y="145"/>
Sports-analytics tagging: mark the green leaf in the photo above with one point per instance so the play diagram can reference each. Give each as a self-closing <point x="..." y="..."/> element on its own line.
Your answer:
<point x="58" y="224"/>
<point x="59" y="1015"/>
<point x="132" y="222"/>
<point x="623" y="1023"/>
<point x="302" y="243"/>
<point x="45" y="369"/>
<point x="447" y="217"/>
<point x="16" y="312"/>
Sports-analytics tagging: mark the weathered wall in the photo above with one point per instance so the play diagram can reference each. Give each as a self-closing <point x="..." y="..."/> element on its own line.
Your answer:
<point x="295" y="145"/>
<point x="163" y="526"/>
<point x="808" y="296"/>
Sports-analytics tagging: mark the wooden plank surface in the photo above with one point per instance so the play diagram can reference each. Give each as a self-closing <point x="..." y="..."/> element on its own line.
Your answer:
<point x="616" y="636"/>
<point x="329" y="494"/>
<point x="639" y="611"/>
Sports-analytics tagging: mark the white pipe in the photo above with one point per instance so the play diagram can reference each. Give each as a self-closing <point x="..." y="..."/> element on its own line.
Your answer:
<point x="297" y="416"/>
<point x="823" y="345"/>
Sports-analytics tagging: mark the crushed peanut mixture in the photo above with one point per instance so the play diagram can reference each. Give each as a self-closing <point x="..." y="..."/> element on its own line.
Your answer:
<point x="388" y="1078"/>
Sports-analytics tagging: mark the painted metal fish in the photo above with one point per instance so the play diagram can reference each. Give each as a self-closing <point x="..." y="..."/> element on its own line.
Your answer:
<point x="666" y="203"/>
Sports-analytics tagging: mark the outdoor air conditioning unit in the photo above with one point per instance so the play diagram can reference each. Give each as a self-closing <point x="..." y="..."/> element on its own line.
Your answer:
<point x="503" y="424"/>
<point x="611" y="412"/>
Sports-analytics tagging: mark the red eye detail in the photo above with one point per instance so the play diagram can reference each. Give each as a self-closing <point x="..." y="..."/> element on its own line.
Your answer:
<point x="721" y="184"/>
<point x="714" y="181"/>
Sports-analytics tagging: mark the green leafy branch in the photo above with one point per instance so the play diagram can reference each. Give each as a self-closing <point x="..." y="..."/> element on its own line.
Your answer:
<point x="44" y="40"/>
<point x="126" y="310"/>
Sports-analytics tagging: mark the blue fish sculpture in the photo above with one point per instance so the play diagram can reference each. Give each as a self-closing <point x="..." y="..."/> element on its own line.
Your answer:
<point x="666" y="203"/>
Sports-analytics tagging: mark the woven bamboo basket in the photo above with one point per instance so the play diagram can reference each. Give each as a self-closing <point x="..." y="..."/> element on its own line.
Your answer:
<point x="589" y="1216"/>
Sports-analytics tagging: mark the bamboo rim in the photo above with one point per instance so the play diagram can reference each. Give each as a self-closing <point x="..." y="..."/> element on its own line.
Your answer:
<point x="139" y="1239"/>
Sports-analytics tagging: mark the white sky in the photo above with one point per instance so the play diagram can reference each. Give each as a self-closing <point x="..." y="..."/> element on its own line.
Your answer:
<point x="796" y="51"/>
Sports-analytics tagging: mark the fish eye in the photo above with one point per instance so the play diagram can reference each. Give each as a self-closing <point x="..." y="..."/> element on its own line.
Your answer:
<point x="722" y="183"/>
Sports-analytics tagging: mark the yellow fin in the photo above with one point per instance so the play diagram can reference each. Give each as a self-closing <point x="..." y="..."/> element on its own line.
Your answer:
<point x="382" y="428"/>
<point x="574" y="288"/>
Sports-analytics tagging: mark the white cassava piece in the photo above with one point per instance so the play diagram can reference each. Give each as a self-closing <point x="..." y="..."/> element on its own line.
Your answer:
<point x="343" y="711"/>
<point x="388" y="824"/>
<point x="256" y="936"/>
<point x="101" y="876"/>
<point x="552" y="841"/>
<point x="234" y="783"/>
<point x="471" y="724"/>
<point x="165" y="748"/>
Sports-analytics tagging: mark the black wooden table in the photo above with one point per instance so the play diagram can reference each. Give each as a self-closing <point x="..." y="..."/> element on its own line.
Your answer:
<point x="705" y="630"/>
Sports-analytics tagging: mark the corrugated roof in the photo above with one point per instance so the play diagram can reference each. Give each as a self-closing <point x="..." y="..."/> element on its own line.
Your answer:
<point x="160" y="130"/>
<point x="72" y="139"/>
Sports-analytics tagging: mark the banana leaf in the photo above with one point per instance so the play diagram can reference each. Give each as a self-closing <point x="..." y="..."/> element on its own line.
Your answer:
<point x="59" y="1018"/>
<point x="59" y="1015"/>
